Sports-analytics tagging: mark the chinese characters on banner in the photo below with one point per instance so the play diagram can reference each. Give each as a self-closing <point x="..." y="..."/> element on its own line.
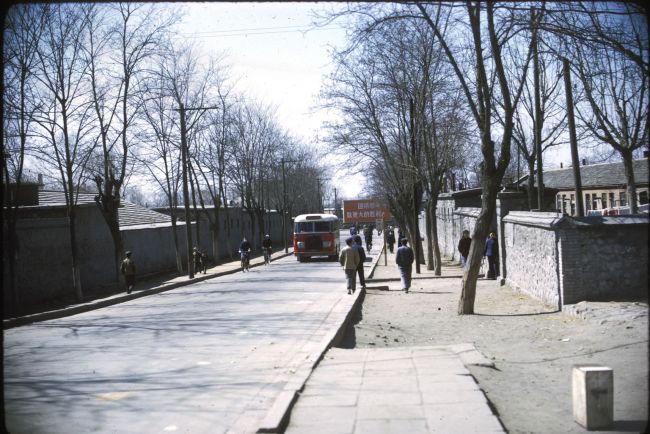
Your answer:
<point x="365" y="211"/>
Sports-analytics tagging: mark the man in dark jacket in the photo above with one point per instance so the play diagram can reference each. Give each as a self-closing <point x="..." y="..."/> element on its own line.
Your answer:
<point x="404" y="259"/>
<point x="492" y="253"/>
<point x="463" y="248"/>
<point x="128" y="270"/>
<point x="390" y="239"/>
<point x="362" y="257"/>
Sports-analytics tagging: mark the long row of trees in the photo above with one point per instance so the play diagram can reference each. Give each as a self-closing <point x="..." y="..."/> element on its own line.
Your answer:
<point x="94" y="96"/>
<point x="428" y="89"/>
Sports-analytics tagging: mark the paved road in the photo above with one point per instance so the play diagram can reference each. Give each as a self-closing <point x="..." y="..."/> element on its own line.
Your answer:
<point x="209" y="357"/>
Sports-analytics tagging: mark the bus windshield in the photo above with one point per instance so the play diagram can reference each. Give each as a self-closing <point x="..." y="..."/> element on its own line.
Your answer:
<point x="313" y="227"/>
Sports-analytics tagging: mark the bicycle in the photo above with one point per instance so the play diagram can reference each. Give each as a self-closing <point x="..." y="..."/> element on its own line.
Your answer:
<point x="267" y="255"/>
<point x="245" y="260"/>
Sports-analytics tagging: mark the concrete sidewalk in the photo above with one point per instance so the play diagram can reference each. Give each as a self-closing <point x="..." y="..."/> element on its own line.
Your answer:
<point x="145" y="286"/>
<point x="420" y="389"/>
<point x="394" y="390"/>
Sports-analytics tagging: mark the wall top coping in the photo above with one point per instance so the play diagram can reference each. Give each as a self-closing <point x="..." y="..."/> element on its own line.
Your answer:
<point x="593" y="221"/>
<point x="552" y="220"/>
<point x="152" y="225"/>
<point x="539" y="219"/>
<point x="468" y="211"/>
<point x="460" y="193"/>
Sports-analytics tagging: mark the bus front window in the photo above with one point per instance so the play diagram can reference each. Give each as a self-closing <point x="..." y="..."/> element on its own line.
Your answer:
<point x="322" y="227"/>
<point x="303" y="227"/>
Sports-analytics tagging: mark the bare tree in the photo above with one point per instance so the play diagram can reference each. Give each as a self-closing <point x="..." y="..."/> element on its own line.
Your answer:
<point x="615" y="82"/>
<point x="23" y="29"/>
<point x="65" y="120"/>
<point x="254" y="146"/>
<point x="123" y="44"/>
<point x="490" y="79"/>
<point x="161" y="159"/>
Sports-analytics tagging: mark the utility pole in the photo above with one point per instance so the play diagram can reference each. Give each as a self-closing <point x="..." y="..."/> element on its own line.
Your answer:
<point x="538" y="115"/>
<point x="186" y="195"/>
<point x="336" y="208"/>
<point x="575" y="159"/>
<point x="320" y="200"/>
<point x="284" y="204"/>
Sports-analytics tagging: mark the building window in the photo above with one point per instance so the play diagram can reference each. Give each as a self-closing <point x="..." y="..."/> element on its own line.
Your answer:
<point x="564" y="207"/>
<point x="594" y="201"/>
<point x="612" y="201"/>
<point x="603" y="197"/>
<point x="573" y="204"/>
<point x="643" y="198"/>
<point x="588" y="201"/>
<point x="623" y="199"/>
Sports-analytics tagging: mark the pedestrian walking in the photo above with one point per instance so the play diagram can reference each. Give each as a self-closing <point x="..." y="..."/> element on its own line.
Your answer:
<point x="492" y="253"/>
<point x="362" y="258"/>
<point x="367" y="234"/>
<point x="390" y="239"/>
<point x="267" y="249"/>
<point x="404" y="260"/>
<point x="128" y="271"/>
<point x="198" y="260"/>
<point x="349" y="259"/>
<point x="463" y="248"/>
<point x="204" y="261"/>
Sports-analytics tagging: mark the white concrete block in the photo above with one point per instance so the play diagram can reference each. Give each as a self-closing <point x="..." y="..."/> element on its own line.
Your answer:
<point x="593" y="396"/>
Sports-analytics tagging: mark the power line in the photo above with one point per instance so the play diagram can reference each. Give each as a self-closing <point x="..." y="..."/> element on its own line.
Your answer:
<point x="253" y="32"/>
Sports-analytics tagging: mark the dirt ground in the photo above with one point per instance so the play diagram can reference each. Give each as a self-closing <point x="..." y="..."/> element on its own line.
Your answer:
<point x="533" y="346"/>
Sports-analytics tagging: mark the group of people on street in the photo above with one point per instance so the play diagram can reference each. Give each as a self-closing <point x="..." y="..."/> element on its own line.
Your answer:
<point x="490" y="251"/>
<point x="245" y="250"/>
<point x="353" y="256"/>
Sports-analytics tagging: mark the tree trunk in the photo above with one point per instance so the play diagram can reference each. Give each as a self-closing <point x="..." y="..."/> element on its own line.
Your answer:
<point x="12" y="252"/>
<point x="628" y="163"/>
<point x="531" y="184"/>
<point x="429" y="225"/>
<point x="481" y="230"/>
<point x="436" y="246"/>
<point x="76" y="275"/>
<point x="179" y="257"/>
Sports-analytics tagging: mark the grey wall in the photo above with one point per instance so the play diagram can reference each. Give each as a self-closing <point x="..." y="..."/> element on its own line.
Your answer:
<point x="558" y="259"/>
<point x="44" y="266"/>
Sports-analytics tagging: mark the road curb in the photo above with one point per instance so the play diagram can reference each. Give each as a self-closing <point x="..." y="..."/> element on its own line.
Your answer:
<point x="120" y="298"/>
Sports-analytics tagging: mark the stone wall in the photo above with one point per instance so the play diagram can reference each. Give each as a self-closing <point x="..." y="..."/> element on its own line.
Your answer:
<point x="532" y="260"/>
<point x="563" y="260"/>
<point x="604" y="258"/>
<point x="555" y="258"/>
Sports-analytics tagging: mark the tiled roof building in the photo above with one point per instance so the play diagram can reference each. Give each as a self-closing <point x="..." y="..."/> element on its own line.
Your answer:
<point x="603" y="185"/>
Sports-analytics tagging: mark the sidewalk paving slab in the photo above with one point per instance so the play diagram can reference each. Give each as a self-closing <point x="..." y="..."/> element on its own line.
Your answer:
<point x="393" y="390"/>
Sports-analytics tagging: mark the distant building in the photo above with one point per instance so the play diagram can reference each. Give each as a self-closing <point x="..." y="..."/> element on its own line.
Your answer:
<point x="603" y="186"/>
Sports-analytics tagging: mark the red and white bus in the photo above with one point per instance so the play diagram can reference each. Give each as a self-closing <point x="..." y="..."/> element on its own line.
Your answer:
<point x="316" y="235"/>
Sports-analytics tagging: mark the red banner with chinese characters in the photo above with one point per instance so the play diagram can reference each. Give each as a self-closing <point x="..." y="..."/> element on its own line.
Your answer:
<point x="365" y="210"/>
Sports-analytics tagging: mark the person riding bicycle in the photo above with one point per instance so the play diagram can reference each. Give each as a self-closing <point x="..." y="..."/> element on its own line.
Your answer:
<point x="245" y="250"/>
<point x="267" y="247"/>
